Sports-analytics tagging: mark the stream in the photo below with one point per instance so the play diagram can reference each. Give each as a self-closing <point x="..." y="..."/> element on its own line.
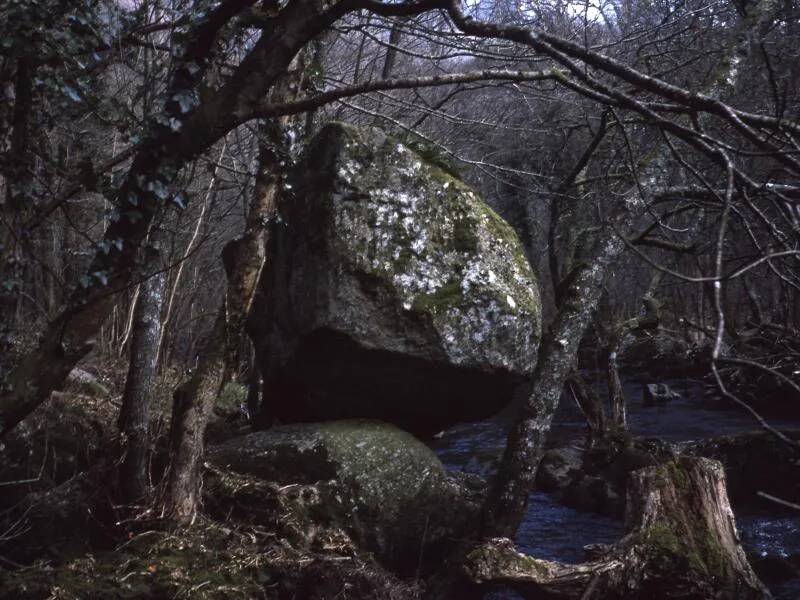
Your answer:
<point x="556" y="532"/>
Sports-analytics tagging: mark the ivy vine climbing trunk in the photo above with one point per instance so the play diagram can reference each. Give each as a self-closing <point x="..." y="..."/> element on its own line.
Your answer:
<point x="177" y="134"/>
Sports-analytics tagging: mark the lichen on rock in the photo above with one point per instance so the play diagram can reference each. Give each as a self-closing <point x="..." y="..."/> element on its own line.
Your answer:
<point x="383" y="252"/>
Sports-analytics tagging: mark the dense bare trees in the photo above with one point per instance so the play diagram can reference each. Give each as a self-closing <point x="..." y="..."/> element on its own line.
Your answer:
<point x="621" y="139"/>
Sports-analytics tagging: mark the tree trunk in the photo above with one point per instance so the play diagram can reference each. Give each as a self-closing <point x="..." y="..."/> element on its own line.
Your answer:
<point x="244" y="260"/>
<point x="591" y="406"/>
<point x="143" y="195"/>
<point x="134" y="417"/>
<point x="508" y="494"/>
<point x="253" y="385"/>
<point x="616" y="395"/>
<point x="681" y="542"/>
<point x="16" y="204"/>
<point x="191" y="409"/>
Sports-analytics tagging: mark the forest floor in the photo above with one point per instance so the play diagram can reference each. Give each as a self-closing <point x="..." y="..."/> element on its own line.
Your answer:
<point x="63" y="535"/>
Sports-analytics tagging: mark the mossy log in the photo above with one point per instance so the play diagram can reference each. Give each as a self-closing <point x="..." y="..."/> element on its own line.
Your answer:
<point x="681" y="542"/>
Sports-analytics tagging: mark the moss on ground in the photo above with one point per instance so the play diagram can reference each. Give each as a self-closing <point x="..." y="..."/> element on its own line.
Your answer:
<point x="206" y="561"/>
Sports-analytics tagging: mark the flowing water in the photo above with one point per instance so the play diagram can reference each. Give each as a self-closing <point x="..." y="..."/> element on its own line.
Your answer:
<point x="555" y="532"/>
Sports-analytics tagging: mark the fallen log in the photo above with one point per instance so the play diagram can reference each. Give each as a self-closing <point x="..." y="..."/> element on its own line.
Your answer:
<point x="681" y="542"/>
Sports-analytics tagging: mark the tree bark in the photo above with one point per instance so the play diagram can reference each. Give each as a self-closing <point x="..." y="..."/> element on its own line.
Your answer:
<point x="253" y="385"/>
<point x="17" y="204"/>
<point x="244" y="260"/>
<point x="191" y="409"/>
<point x="681" y="542"/>
<point x="591" y="406"/>
<point x="578" y="294"/>
<point x="508" y="494"/>
<point x="143" y="195"/>
<point x="617" y="332"/>
<point x="134" y="417"/>
<point x="616" y="395"/>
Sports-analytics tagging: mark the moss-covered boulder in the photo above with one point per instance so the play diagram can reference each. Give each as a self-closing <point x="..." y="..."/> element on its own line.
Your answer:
<point x="396" y="498"/>
<point x="393" y="292"/>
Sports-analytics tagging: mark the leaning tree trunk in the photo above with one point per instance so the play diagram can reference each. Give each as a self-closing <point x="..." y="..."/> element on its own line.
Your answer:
<point x="590" y="405"/>
<point x="134" y="416"/>
<point x="244" y="260"/>
<point x="681" y="543"/>
<point x="147" y="186"/>
<point x="191" y="409"/>
<point x="508" y="494"/>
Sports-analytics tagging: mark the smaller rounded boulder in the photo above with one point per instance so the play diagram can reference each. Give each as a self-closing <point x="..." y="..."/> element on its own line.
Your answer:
<point x="402" y="501"/>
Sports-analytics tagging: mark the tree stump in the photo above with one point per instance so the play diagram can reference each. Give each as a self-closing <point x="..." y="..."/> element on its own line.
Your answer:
<point x="681" y="542"/>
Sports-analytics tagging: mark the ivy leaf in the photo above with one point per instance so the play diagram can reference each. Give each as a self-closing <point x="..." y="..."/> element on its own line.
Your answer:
<point x="160" y="190"/>
<point x="180" y="200"/>
<point x="72" y="93"/>
<point x="185" y="100"/>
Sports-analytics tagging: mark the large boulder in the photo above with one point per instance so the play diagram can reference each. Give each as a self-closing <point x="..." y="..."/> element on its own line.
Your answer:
<point x="396" y="497"/>
<point x="393" y="292"/>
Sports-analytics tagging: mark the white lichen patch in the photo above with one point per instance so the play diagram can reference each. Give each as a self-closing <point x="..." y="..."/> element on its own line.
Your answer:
<point x="441" y="250"/>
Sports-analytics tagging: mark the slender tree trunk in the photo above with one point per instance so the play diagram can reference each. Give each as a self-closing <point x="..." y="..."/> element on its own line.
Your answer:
<point x="70" y="336"/>
<point x="134" y="417"/>
<point x="190" y="247"/>
<point x="253" y="385"/>
<point x="191" y="409"/>
<point x="590" y="404"/>
<point x="395" y="36"/>
<point x="508" y="495"/>
<point x="244" y="260"/>
<point x="616" y="395"/>
<point x="17" y="203"/>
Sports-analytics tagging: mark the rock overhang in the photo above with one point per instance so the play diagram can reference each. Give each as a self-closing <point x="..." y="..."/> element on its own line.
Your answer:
<point x="395" y="292"/>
